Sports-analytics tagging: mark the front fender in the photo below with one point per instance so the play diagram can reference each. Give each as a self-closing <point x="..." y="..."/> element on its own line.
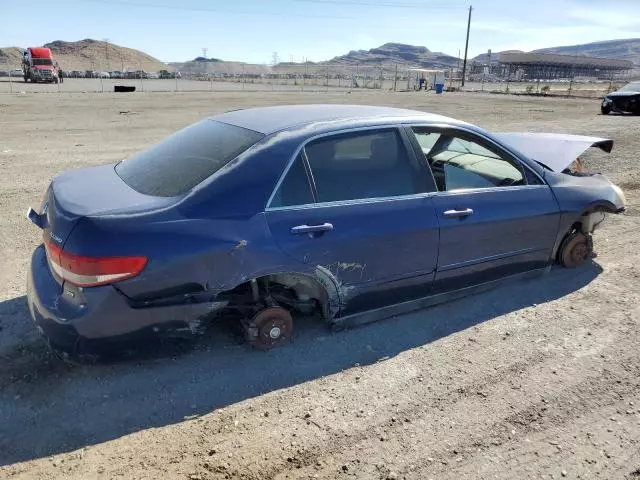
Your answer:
<point x="579" y="196"/>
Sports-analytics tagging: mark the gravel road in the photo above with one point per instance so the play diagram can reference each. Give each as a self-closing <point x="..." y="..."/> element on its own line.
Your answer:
<point x="538" y="379"/>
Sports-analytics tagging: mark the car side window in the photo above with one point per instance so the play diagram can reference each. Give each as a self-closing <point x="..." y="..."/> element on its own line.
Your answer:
<point x="366" y="164"/>
<point x="459" y="164"/>
<point x="532" y="178"/>
<point x="295" y="188"/>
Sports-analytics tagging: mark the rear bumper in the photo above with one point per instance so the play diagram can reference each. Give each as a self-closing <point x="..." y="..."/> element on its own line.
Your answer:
<point x="82" y="320"/>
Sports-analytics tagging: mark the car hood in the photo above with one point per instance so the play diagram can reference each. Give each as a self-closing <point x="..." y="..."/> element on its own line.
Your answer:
<point x="554" y="150"/>
<point x="622" y="94"/>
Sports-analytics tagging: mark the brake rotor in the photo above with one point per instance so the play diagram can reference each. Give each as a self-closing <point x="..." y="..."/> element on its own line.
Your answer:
<point x="270" y="328"/>
<point x="576" y="250"/>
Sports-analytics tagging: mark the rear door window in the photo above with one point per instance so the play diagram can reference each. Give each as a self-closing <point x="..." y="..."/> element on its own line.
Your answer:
<point x="186" y="158"/>
<point x="295" y="189"/>
<point x="362" y="165"/>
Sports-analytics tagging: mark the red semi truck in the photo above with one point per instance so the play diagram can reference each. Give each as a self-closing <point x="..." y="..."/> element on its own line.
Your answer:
<point x="37" y="65"/>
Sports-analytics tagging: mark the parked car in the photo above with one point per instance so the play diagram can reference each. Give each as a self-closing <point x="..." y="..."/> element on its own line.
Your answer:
<point x="624" y="100"/>
<point x="352" y="213"/>
<point x="153" y="75"/>
<point x="115" y="74"/>
<point x="104" y="75"/>
<point x="76" y="74"/>
<point x="16" y="73"/>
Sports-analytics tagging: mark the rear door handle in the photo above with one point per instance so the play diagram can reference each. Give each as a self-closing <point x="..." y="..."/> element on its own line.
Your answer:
<point x="304" y="229"/>
<point x="458" y="213"/>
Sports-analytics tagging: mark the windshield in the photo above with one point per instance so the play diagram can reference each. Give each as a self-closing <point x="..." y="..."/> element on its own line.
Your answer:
<point x="42" y="61"/>
<point x="186" y="158"/>
<point x="631" y="87"/>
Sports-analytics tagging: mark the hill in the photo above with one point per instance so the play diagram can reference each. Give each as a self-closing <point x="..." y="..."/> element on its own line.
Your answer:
<point x="396" y="53"/>
<point x="625" y="49"/>
<point x="89" y="54"/>
<point x="202" y="66"/>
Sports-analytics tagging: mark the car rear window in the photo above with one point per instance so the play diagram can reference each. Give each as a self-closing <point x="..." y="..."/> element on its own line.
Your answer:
<point x="186" y="158"/>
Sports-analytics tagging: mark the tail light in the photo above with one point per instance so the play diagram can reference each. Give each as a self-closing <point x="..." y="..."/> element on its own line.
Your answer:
<point x="92" y="271"/>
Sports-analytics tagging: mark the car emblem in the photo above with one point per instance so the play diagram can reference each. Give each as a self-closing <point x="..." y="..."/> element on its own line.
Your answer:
<point x="55" y="237"/>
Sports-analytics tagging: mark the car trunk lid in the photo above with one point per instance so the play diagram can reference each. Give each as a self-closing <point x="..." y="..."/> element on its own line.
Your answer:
<point x="88" y="192"/>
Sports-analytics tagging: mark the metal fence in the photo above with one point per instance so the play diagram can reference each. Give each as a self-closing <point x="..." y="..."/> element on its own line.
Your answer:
<point x="229" y="76"/>
<point x="581" y="88"/>
<point x="225" y="76"/>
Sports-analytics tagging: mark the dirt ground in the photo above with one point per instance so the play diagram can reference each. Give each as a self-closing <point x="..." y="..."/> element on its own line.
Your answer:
<point x="538" y="379"/>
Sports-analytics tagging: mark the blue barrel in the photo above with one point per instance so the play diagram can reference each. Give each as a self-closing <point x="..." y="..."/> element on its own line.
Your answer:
<point x="439" y="87"/>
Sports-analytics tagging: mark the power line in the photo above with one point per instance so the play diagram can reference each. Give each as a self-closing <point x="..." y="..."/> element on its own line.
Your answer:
<point x="363" y="3"/>
<point x="215" y="10"/>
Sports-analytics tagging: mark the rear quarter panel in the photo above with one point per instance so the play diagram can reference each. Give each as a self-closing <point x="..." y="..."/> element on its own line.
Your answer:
<point x="216" y="254"/>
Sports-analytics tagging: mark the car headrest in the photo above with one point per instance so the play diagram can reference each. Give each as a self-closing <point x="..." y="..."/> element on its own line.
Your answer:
<point x="384" y="151"/>
<point x="321" y="151"/>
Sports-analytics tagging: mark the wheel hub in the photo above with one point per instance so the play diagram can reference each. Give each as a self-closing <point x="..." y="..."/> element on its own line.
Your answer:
<point x="270" y="328"/>
<point x="576" y="250"/>
<point x="274" y="332"/>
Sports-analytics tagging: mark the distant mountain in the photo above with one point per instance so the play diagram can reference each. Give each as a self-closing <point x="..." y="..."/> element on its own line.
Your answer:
<point x="10" y="57"/>
<point x="396" y="53"/>
<point x="88" y="54"/>
<point x="628" y="49"/>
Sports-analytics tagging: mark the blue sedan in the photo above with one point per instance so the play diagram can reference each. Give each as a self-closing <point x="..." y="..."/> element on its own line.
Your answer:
<point x="349" y="213"/>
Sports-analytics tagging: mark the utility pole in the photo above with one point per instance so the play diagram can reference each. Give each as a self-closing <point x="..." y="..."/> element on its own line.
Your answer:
<point x="466" y="47"/>
<point x="204" y="52"/>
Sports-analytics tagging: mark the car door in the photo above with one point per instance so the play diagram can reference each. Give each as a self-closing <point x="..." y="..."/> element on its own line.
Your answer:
<point x="357" y="205"/>
<point x="497" y="217"/>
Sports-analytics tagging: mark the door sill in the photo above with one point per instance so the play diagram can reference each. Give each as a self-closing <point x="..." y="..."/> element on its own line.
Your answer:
<point x="428" y="301"/>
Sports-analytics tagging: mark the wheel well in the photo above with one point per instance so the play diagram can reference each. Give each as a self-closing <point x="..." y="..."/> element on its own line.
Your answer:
<point x="295" y="291"/>
<point x="305" y="288"/>
<point x="586" y="223"/>
<point x="591" y="218"/>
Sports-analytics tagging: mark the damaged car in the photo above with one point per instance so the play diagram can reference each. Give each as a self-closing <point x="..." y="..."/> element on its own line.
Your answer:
<point x="624" y="100"/>
<point x="347" y="213"/>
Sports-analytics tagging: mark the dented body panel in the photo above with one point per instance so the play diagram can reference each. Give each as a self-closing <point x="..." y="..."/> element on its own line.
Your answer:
<point x="203" y="246"/>
<point x="390" y="247"/>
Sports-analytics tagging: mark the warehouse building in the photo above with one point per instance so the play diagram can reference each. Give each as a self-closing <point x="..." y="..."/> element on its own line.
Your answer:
<point x="519" y="66"/>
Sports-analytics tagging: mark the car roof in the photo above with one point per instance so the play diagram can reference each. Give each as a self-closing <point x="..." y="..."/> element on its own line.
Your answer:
<point x="268" y="120"/>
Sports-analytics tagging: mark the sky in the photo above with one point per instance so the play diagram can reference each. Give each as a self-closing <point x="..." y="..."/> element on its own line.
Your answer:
<point x="252" y="30"/>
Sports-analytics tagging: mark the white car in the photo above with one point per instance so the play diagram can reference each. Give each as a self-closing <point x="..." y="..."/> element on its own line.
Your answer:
<point x="16" y="73"/>
<point x="104" y="75"/>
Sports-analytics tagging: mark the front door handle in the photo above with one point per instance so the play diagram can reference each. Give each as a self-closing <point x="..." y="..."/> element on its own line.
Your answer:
<point x="458" y="213"/>
<point x="304" y="229"/>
